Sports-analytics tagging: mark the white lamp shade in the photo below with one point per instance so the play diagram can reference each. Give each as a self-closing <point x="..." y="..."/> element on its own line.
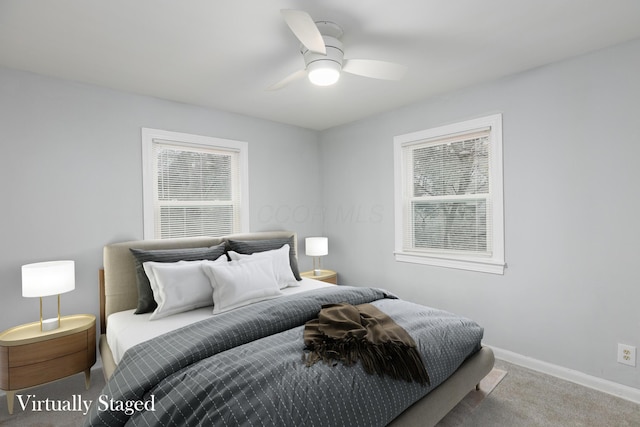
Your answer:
<point x="43" y="279"/>
<point x="316" y="246"/>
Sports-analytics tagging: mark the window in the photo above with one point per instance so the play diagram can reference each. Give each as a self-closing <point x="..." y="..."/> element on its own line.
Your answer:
<point x="193" y="185"/>
<point x="448" y="196"/>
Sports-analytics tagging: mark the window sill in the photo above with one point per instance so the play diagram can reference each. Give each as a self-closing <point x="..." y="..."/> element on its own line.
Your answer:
<point x="488" y="265"/>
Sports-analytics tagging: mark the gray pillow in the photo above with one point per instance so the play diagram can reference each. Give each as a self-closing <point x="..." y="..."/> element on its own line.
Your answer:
<point x="146" y="303"/>
<point x="248" y="247"/>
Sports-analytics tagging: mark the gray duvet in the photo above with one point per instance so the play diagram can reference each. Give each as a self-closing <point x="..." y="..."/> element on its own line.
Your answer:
<point x="245" y="367"/>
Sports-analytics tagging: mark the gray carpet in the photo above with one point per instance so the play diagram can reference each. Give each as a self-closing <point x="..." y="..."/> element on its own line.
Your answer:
<point x="526" y="398"/>
<point x="465" y="408"/>
<point x="520" y="398"/>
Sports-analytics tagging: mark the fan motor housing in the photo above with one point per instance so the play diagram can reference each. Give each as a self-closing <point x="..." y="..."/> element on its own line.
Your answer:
<point x="331" y="33"/>
<point x="334" y="52"/>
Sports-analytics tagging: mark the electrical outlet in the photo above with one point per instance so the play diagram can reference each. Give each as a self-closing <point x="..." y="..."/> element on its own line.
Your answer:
<point x="627" y="354"/>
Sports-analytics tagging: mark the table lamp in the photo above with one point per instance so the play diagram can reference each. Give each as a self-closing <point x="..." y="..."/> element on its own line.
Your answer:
<point x="43" y="279"/>
<point x="316" y="247"/>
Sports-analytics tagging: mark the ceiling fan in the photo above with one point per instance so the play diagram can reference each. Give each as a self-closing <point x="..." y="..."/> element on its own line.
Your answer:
<point x="324" y="56"/>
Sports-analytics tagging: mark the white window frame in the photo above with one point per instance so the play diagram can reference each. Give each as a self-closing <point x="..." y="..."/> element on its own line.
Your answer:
<point x="149" y="136"/>
<point x="488" y="263"/>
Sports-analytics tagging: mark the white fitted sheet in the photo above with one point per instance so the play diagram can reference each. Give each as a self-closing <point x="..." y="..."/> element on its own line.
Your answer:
<point x="125" y="329"/>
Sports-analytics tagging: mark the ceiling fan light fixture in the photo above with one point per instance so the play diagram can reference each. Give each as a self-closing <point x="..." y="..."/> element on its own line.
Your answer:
<point x="323" y="73"/>
<point x="323" y="66"/>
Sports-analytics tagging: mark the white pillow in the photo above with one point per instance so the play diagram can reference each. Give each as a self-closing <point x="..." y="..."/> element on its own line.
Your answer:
<point x="179" y="286"/>
<point x="280" y="260"/>
<point x="239" y="283"/>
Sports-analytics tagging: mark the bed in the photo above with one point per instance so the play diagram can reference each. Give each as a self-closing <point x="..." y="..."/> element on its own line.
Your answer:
<point x="234" y="374"/>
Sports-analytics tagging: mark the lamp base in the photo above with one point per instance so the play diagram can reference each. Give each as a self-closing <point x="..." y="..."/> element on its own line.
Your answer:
<point x="50" y="324"/>
<point x="317" y="272"/>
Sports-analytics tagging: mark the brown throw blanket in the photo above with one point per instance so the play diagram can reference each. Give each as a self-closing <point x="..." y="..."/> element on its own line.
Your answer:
<point x="346" y="333"/>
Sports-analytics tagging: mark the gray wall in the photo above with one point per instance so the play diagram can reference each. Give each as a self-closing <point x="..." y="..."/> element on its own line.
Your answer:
<point x="571" y="175"/>
<point x="72" y="179"/>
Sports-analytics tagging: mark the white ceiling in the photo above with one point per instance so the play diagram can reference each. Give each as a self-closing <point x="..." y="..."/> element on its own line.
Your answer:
<point x="224" y="53"/>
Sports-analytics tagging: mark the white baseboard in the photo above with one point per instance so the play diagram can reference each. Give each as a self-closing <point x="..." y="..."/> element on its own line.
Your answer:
<point x="605" y="386"/>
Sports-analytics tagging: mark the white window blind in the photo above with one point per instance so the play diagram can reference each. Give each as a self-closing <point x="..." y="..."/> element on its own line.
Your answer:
<point x="447" y="188"/>
<point x="193" y="185"/>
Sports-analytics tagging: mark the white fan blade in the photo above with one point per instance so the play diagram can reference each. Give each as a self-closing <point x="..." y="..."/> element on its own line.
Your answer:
<point x="291" y="77"/>
<point x="305" y="30"/>
<point x="375" y="69"/>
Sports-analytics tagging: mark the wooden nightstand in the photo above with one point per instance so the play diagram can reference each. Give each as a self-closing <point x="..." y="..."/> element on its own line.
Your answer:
<point x="29" y="357"/>
<point x="328" y="276"/>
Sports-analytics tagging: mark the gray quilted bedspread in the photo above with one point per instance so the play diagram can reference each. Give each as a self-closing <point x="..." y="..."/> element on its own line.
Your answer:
<point x="245" y="368"/>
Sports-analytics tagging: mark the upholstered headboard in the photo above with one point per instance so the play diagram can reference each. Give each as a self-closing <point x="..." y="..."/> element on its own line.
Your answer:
<point x="118" y="288"/>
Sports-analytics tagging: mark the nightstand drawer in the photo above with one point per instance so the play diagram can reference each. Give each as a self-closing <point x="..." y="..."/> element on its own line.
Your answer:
<point x="327" y="276"/>
<point x="29" y="354"/>
<point x="333" y="279"/>
<point x="49" y="370"/>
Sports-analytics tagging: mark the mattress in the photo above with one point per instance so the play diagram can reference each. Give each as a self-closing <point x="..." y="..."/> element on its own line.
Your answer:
<point x="125" y="329"/>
